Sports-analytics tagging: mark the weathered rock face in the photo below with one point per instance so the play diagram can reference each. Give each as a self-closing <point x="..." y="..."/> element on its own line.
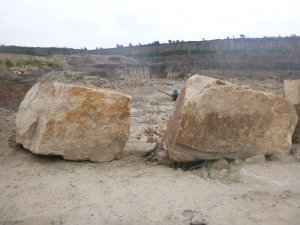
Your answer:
<point x="76" y="122"/>
<point x="292" y="93"/>
<point x="215" y="120"/>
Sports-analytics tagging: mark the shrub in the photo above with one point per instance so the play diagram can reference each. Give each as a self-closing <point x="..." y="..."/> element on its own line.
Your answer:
<point x="36" y="63"/>
<point x="52" y="64"/>
<point x="8" y="63"/>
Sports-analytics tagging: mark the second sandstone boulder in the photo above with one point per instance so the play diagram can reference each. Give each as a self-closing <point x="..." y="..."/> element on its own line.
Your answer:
<point x="76" y="122"/>
<point x="215" y="120"/>
<point x="292" y="93"/>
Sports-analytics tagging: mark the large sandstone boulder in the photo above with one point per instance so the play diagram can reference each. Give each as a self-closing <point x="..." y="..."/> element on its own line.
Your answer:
<point x="215" y="120"/>
<point x="292" y="93"/>
<point x="76" y="122"/>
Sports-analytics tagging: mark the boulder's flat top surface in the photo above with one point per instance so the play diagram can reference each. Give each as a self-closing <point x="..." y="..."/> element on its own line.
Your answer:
<point x="47" y="190"/>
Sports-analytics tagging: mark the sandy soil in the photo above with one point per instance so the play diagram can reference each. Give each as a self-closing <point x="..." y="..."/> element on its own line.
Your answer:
<point x="48" y="190"/>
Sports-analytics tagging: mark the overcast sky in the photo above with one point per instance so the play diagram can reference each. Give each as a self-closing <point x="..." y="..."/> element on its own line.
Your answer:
<point x="99" y="23"/>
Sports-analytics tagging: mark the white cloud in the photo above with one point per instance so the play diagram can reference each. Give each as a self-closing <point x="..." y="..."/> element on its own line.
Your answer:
<point x="92" y="23"/>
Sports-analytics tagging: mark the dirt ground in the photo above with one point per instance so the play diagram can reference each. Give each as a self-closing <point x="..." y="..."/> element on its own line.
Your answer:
<point x="48" y="190"/>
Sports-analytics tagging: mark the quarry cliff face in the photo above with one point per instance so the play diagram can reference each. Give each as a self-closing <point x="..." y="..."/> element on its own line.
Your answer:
<point x="230" y="54"/>
<point x="258" y="58"/>
<point x="263" y="44"/>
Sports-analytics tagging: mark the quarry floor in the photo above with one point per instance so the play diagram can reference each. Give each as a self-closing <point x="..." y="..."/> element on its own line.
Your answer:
<point x="49" y="190"/>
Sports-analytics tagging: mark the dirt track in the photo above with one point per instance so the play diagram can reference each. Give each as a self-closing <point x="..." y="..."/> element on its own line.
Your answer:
<point x="49" y="190"/>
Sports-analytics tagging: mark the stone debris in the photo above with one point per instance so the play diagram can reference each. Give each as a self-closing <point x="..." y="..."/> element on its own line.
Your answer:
<point x="80" y="78"/>
<point x="23" y="70"/>
<point x="218" y="170"/>
<point x="126" y="81"/>
<point x="159" y="154"/>
<point x="215" y="119"/>
<point x="292" y="93"/>
<point x="152" y="134"/>
<point x="76" y="122"/>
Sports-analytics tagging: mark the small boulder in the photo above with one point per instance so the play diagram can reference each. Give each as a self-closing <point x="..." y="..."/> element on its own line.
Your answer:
<point x="76" y="122"/>
<point x="197" y="220"/>
<point x="292" y="93"/>
<point x="220" y="164"/>
<point x="162" y="155"/>
<point x="256" y="159"/>
<point x="237" y="162"/>
<point x="215" y="119"/>
<point x="202" y="172"/>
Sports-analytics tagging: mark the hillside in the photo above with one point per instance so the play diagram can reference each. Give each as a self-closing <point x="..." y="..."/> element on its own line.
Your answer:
<point x="259" y="58"/>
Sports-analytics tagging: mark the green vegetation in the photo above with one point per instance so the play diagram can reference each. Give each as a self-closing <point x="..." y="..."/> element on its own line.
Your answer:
<point x="38" y="51"/>
<point x="52" y="64"/>
<point x="36" y="63"/>
<point x="8" y="63"/>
